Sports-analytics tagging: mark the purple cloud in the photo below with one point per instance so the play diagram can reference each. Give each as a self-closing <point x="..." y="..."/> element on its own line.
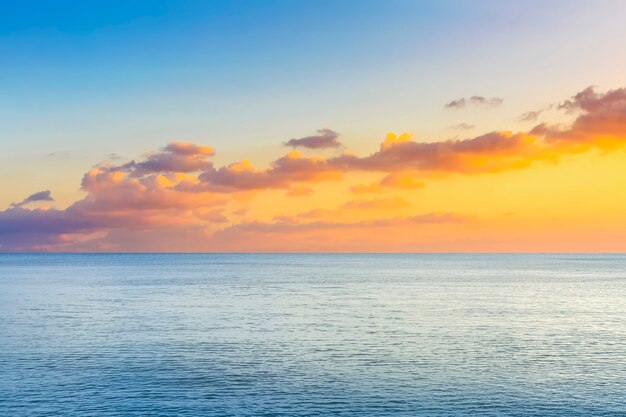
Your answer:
<point x="39" y="196"/>
<point x="326" y="138"/>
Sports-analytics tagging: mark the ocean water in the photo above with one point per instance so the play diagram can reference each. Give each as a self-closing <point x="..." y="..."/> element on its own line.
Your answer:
<point x="312" y="335"/>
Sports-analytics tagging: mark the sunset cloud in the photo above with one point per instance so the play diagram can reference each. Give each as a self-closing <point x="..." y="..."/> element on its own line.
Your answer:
<point x="326" y="138"/>
<point x="491" y="152"/>
<point x="289" y="169"/>
<point x="530" y="116"/>
<point x="179" y="190"/>
<point x="175" y="157"/>
<point x="601" y="122"/>
<point x="36" y="197"/>
<point x="114" y="200"/>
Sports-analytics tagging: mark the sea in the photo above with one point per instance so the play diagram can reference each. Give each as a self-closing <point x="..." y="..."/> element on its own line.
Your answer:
<point x="312" y="335"/>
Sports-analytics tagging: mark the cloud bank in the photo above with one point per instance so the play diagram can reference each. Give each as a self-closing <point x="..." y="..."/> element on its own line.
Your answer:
<point x="176" y="198"/>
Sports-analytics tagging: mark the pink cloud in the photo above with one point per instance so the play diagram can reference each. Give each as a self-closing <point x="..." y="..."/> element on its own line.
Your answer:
<point x="178" y="190"/>
<point x="175" y="157"/>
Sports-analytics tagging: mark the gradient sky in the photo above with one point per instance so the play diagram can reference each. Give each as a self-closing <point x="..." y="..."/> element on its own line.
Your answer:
<point x="414" y="126"/>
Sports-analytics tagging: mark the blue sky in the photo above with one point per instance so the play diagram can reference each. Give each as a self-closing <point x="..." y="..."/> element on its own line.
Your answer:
<point x="81" y="80"/>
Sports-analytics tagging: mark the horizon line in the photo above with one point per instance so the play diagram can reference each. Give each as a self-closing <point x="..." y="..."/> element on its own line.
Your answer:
<point x="305" y="253"/>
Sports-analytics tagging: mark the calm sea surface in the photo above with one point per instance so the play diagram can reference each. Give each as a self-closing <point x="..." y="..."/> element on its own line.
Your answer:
<point x="313" y="335"/>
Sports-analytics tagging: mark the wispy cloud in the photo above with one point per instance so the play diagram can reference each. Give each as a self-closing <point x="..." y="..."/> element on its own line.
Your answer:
<point x="530" y="116"/>
<point x="36" y="197"/>
<point x="462" y="126"/>
<point x="477" y="101"/>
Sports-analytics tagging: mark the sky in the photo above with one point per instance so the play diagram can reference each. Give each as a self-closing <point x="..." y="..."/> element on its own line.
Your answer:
<point x="313" y="126"/>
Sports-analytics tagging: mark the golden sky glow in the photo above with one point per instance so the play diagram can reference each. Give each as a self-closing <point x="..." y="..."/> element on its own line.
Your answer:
<point x="558" y="186"/>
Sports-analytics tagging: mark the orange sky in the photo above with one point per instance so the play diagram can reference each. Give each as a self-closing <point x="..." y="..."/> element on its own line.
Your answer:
<point x="557" y="187"/>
